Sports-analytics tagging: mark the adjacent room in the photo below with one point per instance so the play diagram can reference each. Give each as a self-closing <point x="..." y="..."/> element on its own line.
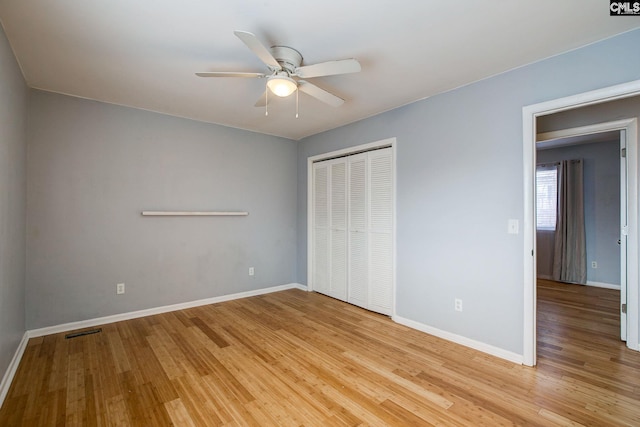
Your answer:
<point x="264" y="213"/>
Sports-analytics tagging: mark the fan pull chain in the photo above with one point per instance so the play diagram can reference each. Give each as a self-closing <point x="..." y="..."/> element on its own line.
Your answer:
<point x="266" y="101"/>
<point x="297" y="92"/>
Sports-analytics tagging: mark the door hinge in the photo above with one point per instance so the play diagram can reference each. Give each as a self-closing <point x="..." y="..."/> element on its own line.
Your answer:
<point x="623" y="152"/>
<point x="623" y="308"/>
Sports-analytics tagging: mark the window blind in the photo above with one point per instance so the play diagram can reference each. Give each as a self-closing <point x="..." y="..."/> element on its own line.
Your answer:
<point x="546" y="196"/>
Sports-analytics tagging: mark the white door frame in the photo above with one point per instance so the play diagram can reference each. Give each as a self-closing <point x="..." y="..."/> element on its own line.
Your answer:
<point x="390" y="142"/>
<point x="529" y="116"/>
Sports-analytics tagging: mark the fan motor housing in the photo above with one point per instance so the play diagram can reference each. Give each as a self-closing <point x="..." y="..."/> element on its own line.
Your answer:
<point x="287" y="57"/>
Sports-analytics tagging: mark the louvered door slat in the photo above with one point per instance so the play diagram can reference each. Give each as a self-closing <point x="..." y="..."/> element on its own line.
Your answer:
<point x="358" y="236"/>
<point x="381" y="270"/>
<point x="339" y="196"/>
<point x="338" y="221"/>
<point x="358" y="269"/>
<point x="380" y="232"/>
<point x="381" y="175"/>
<point x="320" y="267"/>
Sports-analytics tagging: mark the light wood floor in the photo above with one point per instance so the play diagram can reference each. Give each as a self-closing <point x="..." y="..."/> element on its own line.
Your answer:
<point x="297" y="358"/>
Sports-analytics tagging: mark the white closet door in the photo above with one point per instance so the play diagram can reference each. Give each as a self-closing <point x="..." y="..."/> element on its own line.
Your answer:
<point x="321" y="227"/>
<point x="353" y="229"/>
<point x="358" y="231"/>
<point x="338" y="227"/>
<point x="381" y="231"/>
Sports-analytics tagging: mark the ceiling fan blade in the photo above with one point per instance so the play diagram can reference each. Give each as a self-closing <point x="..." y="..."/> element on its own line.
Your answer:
<point x="330" y="68"/>
<point x="320" y="94"/>
<point x="229" y="74"/>
<point x="258" y="48"/>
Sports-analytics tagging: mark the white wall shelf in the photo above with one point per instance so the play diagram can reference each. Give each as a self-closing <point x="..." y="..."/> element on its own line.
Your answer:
<point x="194" y="213"/>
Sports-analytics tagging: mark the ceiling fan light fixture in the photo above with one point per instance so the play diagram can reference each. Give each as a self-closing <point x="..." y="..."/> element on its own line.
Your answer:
<point x="282" y="86"/>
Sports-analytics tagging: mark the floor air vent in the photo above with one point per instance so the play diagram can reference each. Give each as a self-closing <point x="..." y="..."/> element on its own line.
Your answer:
<point x="82" y="333"/>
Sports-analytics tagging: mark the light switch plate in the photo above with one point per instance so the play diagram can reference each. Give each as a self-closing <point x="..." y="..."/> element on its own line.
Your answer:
<point x="513" y="226"/>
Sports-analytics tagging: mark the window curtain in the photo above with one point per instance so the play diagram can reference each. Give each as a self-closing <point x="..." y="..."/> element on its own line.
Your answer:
<point x="546" y="213"/>
<point x="570" y="253"/>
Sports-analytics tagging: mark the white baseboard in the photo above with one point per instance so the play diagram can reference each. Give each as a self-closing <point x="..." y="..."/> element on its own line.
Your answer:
<point x="603" y="285"/>
<point x="301" y="287"/>
<point x="589" y="283"/>
<point x="458" y="339"/>
<point x="157" y="310"/>
<point x="13" y="368"/>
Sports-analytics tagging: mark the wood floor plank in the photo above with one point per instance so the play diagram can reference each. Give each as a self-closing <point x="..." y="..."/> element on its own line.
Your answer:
<point x="178" y="413"/>
<point x="294" y="358"/>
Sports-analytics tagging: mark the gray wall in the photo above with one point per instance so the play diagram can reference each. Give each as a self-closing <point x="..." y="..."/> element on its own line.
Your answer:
<point x="459" y="179"/>
<point x="93" y="168"/>
<point x="601" y="205"/>
<point x="13" y="116"/>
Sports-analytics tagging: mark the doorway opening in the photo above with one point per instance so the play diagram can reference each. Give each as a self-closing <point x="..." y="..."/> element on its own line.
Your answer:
<point x="629" y="126"/>
<point x="599" y="257"/>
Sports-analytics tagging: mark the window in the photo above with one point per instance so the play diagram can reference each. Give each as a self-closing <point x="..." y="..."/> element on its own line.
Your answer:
<point x="546" y="196"/>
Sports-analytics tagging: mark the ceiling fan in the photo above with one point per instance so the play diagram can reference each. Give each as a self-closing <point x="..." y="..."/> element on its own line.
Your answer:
<point x="286" y="72"/>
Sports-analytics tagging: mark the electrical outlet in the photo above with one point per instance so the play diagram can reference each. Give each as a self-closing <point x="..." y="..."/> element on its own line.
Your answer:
<point x="458" y="304"/>
<point x="251" y="271"/>
<point x="120" y="288"/>
<point x="594" y="264"/>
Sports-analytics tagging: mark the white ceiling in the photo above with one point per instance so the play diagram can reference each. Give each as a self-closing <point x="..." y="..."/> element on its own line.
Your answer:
<point x="144" y="53"/>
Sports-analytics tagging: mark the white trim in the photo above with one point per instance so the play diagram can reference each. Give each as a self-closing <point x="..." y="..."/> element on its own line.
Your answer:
<point x="394" y="155"/>
<point x="598" y="96"/>
<point x="625" y="199"/>
<point x="529" y="237"/>
<point x="7" y="379"/>
<point x="310" y="224"/>
<point x="529" y="115"/>
<point x="459" y="339"/>
<point x="584" y="130"/>
<point x="65" y="327"/>
<point x="301" y="287"/>
<point x="603" y="285"/>
<point x="353" y="150"/>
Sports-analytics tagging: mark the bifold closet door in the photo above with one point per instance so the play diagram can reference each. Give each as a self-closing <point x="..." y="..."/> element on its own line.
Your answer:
<point x="353" y="229"/>
<point x="338" y="229"/>
<point x="321" y="228"/>
<point x="370" y="246"/>
<point x="358" y="260"/>
<point x="381" y="231"/>
<point x="330" y="228"/>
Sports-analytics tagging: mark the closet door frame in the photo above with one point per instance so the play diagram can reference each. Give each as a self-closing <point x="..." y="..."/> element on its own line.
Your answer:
<point x="390" y="142"/>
